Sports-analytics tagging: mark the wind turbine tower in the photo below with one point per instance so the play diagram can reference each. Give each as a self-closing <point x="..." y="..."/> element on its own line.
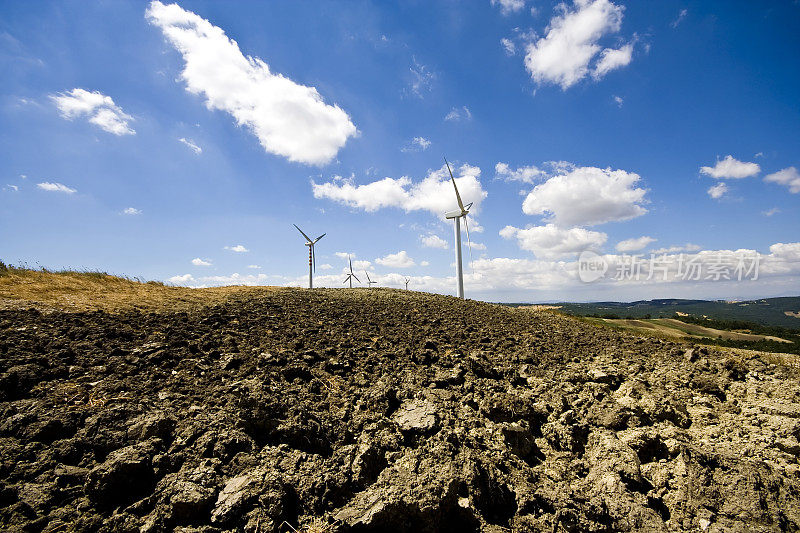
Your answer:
<point x="312" y="258"/>
<point x="369" y="280"/>
<point x="350" y="276"/>
<point x="457" y="215"/>
<point x="407" y="280"/>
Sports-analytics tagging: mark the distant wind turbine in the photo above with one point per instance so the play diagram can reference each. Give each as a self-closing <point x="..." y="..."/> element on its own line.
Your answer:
<point x="350" y="276"/>
<point x="312" y="258"/>
<point x="407" y="280"/>
<point x="457" y="215"/>
<point x="369" y="280"/>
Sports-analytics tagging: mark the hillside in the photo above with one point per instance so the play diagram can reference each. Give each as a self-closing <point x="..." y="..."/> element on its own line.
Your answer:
<point x="783" y="312"/>
<point x="376" y="410"/>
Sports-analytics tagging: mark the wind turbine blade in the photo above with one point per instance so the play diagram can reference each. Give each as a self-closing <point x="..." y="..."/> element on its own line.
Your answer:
<point x="345" y="279"/>
<point x="358" y="280"/>
<point x="367" y="273"/>
<point x="301" y="231"/>
<point x="469" y="243"/>
<point x="351" y="264"/>
<point x="458" y="196"/>
<point x="318" y="238"/>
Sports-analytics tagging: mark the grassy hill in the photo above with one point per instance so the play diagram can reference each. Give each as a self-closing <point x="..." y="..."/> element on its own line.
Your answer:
<point x="781" y="312"/>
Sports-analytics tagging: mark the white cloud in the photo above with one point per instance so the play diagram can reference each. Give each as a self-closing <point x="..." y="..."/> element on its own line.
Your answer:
<point x="528" y="174"/>
<point x="509" y="6"/>
<point x="416" y="144"/>
<point x="10" y="187"/>
<point x="788" y="176"/>
<point x="585" y="196"/>
<point x="688" y="247"/>
<point x="192" y="146"/>
<point x="612" y="59"/>
<point x="552" y="242"/>
<point x="344" y="255"/>
<point x="717" y="191"/>
<point x="508" y="46"/>
<point x="399" y="260"/>
<point x="325" y="266"/>
<point x="478" y="246"/>
<point x="564" y="54"/>
<point x="201" y="262"/>
<point x="434" y="193"/>
<point x="55" y="187"/>
<point x="681" y="15"/>
<point x="770" y="212"/>
<point x="618" y="100"/>
<point x="184" y="279"/>
<point x="236" y="279"/>
<point x="421" y="78"/>
<point x="255" y="267"/>
<point x="424" y="263"/>
<point x="289" y="119"/>
<point x="433" y="241"/>
<point x="238" y="249"/>
<point x="131" y="211"/>
<point x="633" y="245"/>
<point x="731" y="168"/>
<point x="101" y="110"/>
<point x="457" y="114"/>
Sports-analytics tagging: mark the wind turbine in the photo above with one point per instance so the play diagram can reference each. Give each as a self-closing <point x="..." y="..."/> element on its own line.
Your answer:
<point x="369" y="281"/>
<point x="407" y="280"/>
<point x="312" y="258"/>
<point x="457" y="215"/>
<point x="350" y="276"/>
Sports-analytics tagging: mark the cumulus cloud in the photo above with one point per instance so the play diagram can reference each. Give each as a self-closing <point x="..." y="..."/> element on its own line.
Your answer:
<point x="528" y="174"/>
<point x="770" y="212"/>
<point x="257" y="267"/>
<point x="191" y="145"/>
<point x="789" y="177"/>
<point x="433" y="241"/>
<point x="101" y="110"/>
<point x="456" y="114"/>
<point x="289" y="119"/>
<point x="10" y="187"/>
<point x="238" y="249"/>
<point x="417" y="144"/>
<point x="565" y="54"/>
<point x="717" y="191"/>
<point x="509" y="6"/>
<point x="731" y="168"/>
<point x="553" y="242"/>
<point x="633" y="245"/>
<point x="55" y="187"/>
<point x="201" y="262"/>
<point x="433" y="194"/>
<point x="508" y="46"/>
<point x="618" y="100"/>
<point x="688" y="247"/>
<point x="182" y="279"/>
<point x="131" y="211"/>
<point x="585" y="196"/>
<point x="399" y="260"/>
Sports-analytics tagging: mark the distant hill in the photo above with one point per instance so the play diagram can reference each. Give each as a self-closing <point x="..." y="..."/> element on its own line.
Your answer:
<point x="783" y="312"/>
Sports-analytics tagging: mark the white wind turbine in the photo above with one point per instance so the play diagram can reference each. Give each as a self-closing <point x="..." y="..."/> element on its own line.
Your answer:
<point x="457" y="215"/>
<point x="407" y="280"/>
<point x="369" y="280"/>
<point x="350" y="276"/>
<point x="312" y="258"/>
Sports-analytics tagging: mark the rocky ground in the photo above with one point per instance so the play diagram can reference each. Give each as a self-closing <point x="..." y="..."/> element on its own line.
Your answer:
<point x="383" y="410"/>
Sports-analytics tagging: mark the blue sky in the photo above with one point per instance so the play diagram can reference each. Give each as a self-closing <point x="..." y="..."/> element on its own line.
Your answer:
<point x="162" y="140"/>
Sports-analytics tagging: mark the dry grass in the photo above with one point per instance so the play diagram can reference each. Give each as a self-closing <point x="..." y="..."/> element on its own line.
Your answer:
<point x="88" y="291"/>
